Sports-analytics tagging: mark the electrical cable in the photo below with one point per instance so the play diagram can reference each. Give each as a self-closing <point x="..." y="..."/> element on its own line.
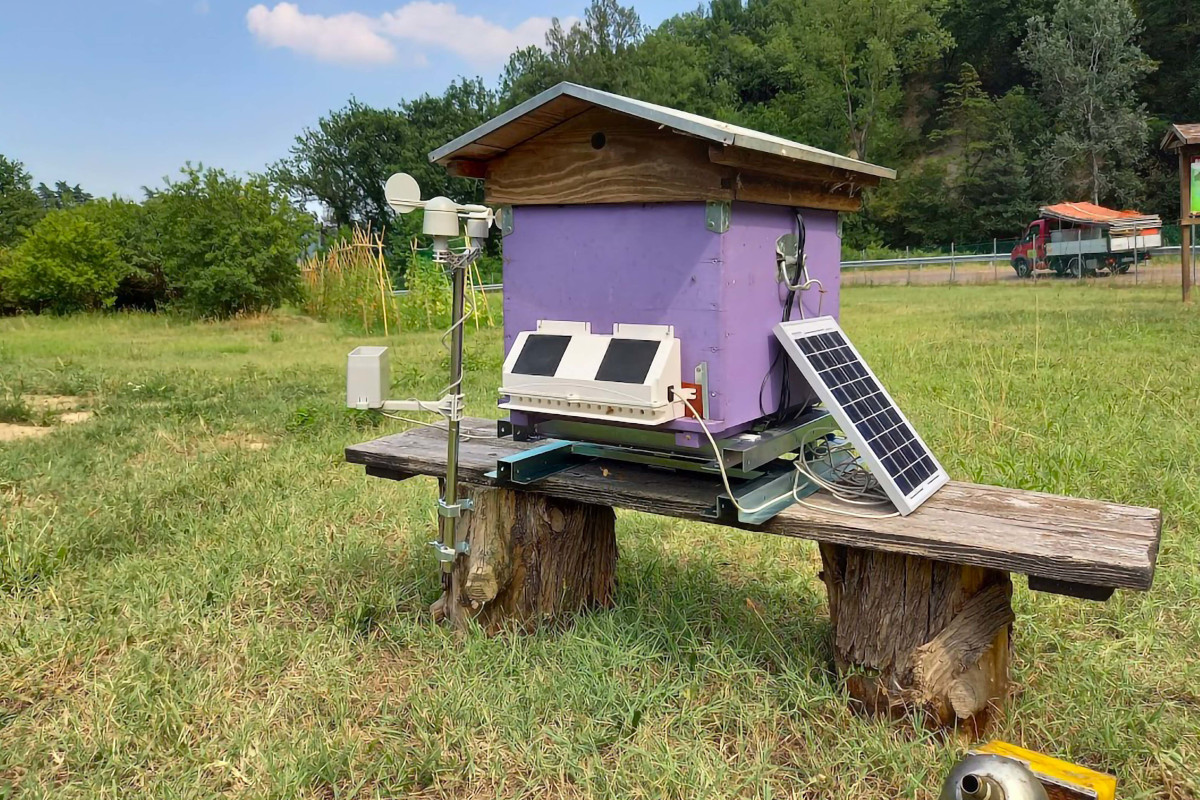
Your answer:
<point x="801" y="469"/>
<point x="462" y="436"/>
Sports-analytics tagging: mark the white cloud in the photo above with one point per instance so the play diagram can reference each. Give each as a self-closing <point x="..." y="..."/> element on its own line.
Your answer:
<point x="201" y="7"/>
<point x="473" y="38"/>
<point x="344" y="38"/>
<point x="357" y="38"/>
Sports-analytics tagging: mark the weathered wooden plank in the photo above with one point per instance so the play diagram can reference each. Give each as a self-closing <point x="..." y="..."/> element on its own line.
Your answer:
<point x="1062" y="538"/>
<point x="601" y="156"/>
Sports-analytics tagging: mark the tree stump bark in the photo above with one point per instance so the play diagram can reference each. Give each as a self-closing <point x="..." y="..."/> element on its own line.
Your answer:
<point x="533" y="560"/>
<point x="910" y="633"/>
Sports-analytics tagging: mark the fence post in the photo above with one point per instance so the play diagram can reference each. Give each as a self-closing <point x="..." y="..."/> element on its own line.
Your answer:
<point x="995" y="273"/>
<point x="907" y="267"/>
<point x="952" y="262"/>
<point x="1135" y="256"/>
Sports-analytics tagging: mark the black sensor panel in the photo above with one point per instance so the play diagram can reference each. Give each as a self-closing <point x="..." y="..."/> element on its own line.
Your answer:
<point x="541" y="354"/>
<point x="628" y="360"/>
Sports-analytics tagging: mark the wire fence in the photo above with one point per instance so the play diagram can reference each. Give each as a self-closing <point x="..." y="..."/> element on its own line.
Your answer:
<point x="990" y="262"/>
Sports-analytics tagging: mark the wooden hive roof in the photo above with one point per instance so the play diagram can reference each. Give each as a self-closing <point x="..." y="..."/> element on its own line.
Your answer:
<point x="574" y="144"/>
<point x="1180" y="135"/>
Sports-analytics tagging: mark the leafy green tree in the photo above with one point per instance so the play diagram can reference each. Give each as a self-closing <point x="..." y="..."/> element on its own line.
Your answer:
<point x="343" y="163"/>
<point x="999" y="192"/>
<point x="228" y="245"/>
<point x="593" y="51"/>
<point x="65" y="264"/>
<point x="133" y="228"/>
<point x="20" y="208"/>
<point x="63" y="195"/>
<point x="860" y="51"/>
<point x="917" y="209"/>
<point x="1170" y="35"/>
<point x="1087" y="66"/>
<point x="986" y="34"/>
<point x="969" y="116"/>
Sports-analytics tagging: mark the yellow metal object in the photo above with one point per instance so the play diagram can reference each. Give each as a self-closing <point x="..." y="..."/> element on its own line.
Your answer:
<point x="1058" y="775"/>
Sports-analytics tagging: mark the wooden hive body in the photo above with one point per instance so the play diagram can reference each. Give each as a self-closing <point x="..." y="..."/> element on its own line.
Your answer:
<point x="628" y="213"/>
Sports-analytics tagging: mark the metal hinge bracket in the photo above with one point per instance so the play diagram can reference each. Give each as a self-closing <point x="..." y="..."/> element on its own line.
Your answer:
<point x="716" y="216"/>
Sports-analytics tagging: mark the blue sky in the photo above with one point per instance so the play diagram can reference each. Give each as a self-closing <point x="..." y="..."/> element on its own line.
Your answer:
<point x="115" y="94"/>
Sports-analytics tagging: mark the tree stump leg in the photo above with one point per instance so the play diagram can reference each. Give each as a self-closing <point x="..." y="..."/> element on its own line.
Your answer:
<point x="910" y="633"/>
<point x="533" y="560"/>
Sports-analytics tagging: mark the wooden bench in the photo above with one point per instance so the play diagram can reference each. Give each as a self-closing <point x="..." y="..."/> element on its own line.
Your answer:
<point x="920" y="605"/>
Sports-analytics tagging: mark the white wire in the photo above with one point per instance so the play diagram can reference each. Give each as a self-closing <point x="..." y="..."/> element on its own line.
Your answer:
<point x="794" y="493"/>
<point x="433" y="425"/>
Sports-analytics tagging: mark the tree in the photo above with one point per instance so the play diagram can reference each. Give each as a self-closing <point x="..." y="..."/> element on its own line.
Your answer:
<point x="986" y="33"/>
<point x="63" y="195"/>
<point x="998" y="194"/>
<point x="228" y="245"/>
<point x="1087" y="67"/>
<point x="344" y="162"/>
<point x="133" y="229"/>
<point x="837" y="68"/>
<point x="65" y="264"/>
<point x="1171" y="36"/>
<point x="593" y="51"/>
<point x="969" y="116"/>
<point x="20" y="208"/>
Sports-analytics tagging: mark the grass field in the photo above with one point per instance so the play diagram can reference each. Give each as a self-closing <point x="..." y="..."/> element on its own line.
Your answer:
<point x="199" y="599"/>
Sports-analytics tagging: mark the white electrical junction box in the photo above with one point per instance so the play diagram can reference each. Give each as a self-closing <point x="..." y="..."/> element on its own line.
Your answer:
<point x="367" y="377"/>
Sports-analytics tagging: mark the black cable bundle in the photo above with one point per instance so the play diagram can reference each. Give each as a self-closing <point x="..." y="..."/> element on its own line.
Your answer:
<point x="785" y="391"/>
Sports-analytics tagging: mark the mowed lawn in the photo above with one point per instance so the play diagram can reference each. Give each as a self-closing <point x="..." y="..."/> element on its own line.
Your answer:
<point x="198" y="598"/>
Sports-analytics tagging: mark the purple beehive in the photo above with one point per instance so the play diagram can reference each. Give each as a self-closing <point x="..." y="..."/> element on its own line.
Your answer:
<point x="626" y="212"/>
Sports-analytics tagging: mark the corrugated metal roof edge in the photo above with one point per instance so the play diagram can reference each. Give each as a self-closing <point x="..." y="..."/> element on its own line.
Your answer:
<point x="695" y="125"/>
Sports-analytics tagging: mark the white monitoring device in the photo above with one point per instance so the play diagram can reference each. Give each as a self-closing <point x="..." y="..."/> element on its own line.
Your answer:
<point x="866" y="413"/>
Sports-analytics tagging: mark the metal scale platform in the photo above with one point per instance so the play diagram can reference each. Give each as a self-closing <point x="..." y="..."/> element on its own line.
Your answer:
<point x="759" y="462"/>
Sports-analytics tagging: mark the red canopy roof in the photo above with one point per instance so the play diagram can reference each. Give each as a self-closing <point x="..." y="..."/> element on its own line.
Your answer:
<point x="1092" y="214"/>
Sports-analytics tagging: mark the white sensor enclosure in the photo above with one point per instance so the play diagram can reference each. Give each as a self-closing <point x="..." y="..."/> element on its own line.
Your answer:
<point x="563" y="369"/>
<point x="367" y="377"/>
<point x="441" y="217"/>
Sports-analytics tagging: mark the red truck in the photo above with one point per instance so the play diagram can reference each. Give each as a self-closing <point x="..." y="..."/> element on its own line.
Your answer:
<point x="1085" y="239"/>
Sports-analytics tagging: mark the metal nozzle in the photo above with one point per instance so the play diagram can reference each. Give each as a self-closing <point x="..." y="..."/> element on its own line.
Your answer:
<point x="979" y="787"/>
<point x="991" y="777"/>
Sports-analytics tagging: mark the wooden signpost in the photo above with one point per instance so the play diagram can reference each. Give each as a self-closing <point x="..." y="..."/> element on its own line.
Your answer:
<point x="1184" y="139"/>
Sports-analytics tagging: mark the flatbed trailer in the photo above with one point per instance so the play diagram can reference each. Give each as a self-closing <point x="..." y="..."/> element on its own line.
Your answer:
<point x="1085" y="239"/>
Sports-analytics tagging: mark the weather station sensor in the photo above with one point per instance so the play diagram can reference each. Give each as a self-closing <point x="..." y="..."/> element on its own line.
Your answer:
<point x="367" y="370"/>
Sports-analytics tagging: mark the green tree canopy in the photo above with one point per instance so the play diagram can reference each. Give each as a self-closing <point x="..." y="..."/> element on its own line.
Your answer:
<point x="20" y="207"/>
<point x="1087" y="67"/>
<point x="343" y="163"/>
<point x="228" y="245"/>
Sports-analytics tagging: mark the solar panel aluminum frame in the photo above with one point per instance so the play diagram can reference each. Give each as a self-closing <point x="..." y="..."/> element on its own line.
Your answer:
<point x="787" y="332"/>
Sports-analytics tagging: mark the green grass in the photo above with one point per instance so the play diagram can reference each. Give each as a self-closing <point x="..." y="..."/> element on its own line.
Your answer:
<point x="199" y="599"/>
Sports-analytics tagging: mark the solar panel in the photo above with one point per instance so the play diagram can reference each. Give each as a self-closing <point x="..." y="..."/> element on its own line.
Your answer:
<point x="883" y="436"/>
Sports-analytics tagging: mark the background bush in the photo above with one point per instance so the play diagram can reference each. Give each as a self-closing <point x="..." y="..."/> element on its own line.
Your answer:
<point x="210" y="243"/>
<point x="228" y="246"/>
<point x="132" y="227"/>
<point x="66" y="264"/>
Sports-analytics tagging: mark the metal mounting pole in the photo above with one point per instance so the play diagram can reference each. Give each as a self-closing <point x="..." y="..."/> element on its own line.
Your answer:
<point x="450" y="508"/>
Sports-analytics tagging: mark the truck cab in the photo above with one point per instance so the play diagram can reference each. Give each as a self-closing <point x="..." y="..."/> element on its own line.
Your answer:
<point x="1030" y="250"/>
